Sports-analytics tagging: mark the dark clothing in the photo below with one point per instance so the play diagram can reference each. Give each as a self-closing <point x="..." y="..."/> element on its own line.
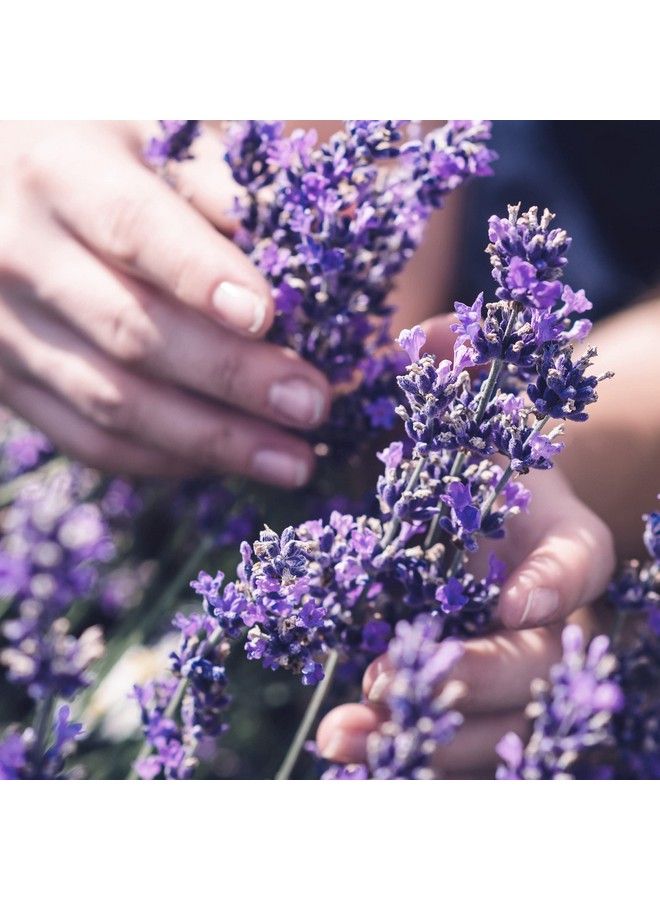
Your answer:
<point x="602" y="179"/>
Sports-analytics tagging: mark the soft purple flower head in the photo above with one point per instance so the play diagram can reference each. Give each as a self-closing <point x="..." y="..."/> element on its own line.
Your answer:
<point x="412" y="340"/>
<point x="572" y="713"/>
<point x="177" y="137"/>
<point x="420" y="714"/>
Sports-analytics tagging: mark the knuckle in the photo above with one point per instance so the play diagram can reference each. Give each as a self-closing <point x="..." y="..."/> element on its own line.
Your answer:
<point x="217" y="448"/>
<point x="123" y="227"/>
<point x="185" y="272"/>
<point x="109" y="406"/>
<point x="32" y="167"/>
<point x="227" y="374"/>
<point x="132" y="336"/>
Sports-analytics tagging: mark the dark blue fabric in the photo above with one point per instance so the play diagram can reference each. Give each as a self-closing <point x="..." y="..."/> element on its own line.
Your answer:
<point x="602" y="179"/>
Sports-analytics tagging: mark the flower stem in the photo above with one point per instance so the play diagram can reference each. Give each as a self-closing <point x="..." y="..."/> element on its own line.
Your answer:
<point x="291" y="758"/>
<point x="42" y="724"/>
<point x="390" y="533"/>
<point x="487" y="393"/>
<point x="508" y="472"/>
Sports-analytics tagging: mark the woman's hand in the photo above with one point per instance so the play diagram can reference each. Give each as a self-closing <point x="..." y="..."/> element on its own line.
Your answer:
<point x="129" y="325"/>
<point x="560" y="557"/>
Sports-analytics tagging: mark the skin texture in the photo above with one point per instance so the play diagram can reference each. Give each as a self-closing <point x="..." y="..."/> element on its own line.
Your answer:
<point x="104" y="268"/>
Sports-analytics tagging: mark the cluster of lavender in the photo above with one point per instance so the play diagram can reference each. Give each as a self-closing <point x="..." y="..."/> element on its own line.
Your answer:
<point x="572" y="713"/>
<point x="174" y="142"/>
<point x="420" y="715"/>
<point x="49" y="558"/>
<point x="330" y="226"/>
<point x="58" y="537"/>
<point x="635" y="594"/>
<point x="343" y="585"/>
<point x="180" y="711"/>
<point x="598" y="716"/>
<point x="23" y="756"/>
<point x="22" y="449"/>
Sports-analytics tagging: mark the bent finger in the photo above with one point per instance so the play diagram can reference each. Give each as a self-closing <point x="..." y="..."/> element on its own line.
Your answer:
<point x="143" y="226"/>
<point x="569" y="567"/>
<point x="80" y="439"/>
<point x="132" y="323"/>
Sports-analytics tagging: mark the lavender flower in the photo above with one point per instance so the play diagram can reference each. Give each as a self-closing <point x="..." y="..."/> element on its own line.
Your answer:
<point x="572" y="713"/>
<point x="420" y="715"/>
<point x="179" y="711"/>
<point x="22" y="449"/>
<point x="331" y="228"/>
<point x="635" y="592"/>
<point x="335" y="586"/>
<point x="19" y="759"/>
<point x="177" y="137"/>
<point x="49" y="557"/>
<point x="296" y="594"/>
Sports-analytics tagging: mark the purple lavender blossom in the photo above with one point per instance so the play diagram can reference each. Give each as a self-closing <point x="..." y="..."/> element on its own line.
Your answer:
<point x="635" y="592"/>
<point x="177" y="137"/>
<point x="19" y="759"/>
<point x="420" y="715"/>
<point x="331" y="228"/>
<point x="22" y="449"/>
<point x="50" y="553"/>
<point x="572" y="713"/>
<point x="181" y="711"/>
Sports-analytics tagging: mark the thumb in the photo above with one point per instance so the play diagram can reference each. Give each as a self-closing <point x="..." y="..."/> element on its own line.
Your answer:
<point x="570" y="566"/>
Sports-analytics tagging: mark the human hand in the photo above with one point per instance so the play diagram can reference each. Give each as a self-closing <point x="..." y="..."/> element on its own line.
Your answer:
<point x="130" y="324"/>
<point x="560" y="558"/>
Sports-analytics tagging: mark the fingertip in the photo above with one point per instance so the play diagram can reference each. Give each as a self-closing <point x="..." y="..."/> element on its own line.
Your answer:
<point x="248" y="310"/>
<point x="527" y="604"/>
<point x="283" y="467"/>
<point x="342" y="734"/>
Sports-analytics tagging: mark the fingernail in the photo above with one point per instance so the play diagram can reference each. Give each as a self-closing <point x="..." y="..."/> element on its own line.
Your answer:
<point x="239" y="307"/>
<point x="542" y="603"/>
<point x="280" y="467"/>
<point x="379" y="688"/>
<point x="298" y="400"/>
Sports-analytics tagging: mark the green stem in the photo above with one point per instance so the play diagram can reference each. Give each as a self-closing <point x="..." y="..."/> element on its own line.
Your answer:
<point x="390" y="532"/>
<point x="508" y="472"/>
<point x="42" y="726"/>
<point x="291" y="758"/>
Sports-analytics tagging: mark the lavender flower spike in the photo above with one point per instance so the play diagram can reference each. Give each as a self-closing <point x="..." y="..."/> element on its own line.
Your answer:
<point x="421" y="718"/>
<point x="571" y="714"/>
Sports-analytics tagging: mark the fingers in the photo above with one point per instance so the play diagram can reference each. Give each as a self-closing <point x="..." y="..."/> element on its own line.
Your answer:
<point x="80" y="439"/>
<point x="569" y="566"/>
<point x="141" y="225"/>
<point x="137" y="327"/>
<point x="343" y="735"/>
<point x="206" y="183"/>
<point x="204" y="435"/>
<point x="473" y="748"/>
<point x="495" y="672"/>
